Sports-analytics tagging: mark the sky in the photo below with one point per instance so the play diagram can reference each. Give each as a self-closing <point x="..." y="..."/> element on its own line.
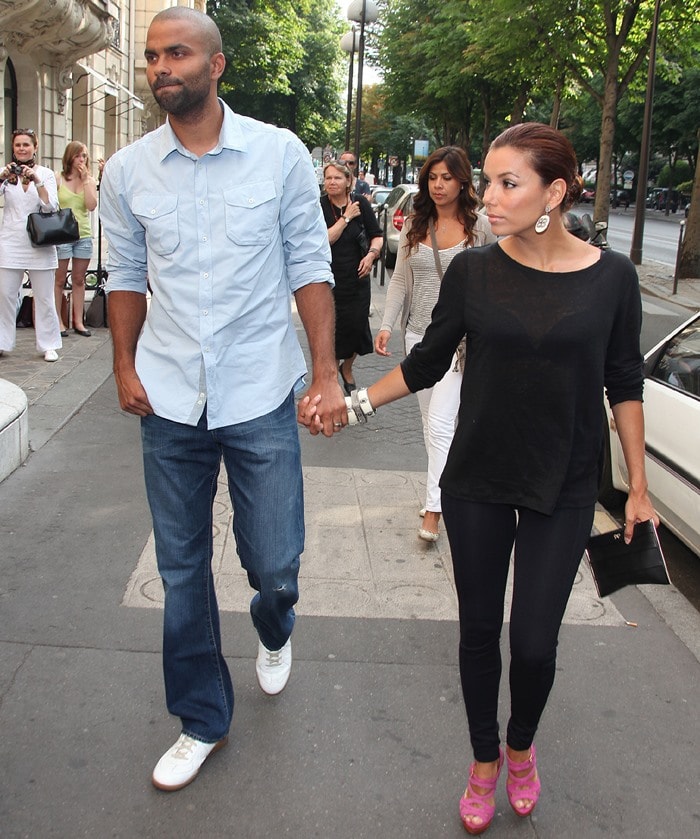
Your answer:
<point x="369" y="74"/>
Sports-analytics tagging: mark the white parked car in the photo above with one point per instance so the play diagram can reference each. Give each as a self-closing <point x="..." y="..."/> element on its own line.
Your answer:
<point x="672" y="423"/>
<point x="397" y="207"/>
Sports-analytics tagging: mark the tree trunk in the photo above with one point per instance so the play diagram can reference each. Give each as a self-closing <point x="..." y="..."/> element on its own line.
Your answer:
<point x="520" y="104"/>
<point x="556" y="104"/>
<point x="689" y="263"/>
<point x="485" y="137"/>
<point x="601" y="208"/>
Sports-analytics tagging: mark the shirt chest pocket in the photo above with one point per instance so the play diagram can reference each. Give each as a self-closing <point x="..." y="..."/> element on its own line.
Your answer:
<point x="252" y="213"/>
<point x="157" y="212"/>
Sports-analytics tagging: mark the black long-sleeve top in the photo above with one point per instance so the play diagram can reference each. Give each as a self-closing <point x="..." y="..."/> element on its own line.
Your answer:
<point x="540" y="348"/>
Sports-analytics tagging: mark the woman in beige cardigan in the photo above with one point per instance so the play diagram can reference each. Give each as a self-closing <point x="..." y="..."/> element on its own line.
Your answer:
<point x="443" y="222"/>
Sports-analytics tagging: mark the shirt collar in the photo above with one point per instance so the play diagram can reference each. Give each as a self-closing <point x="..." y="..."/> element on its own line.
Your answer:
<point x="231" y="136"/>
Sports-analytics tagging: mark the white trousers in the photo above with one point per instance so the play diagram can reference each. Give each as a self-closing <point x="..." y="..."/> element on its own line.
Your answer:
<point x="438" y="407"/>
<point x="46" y="326"/>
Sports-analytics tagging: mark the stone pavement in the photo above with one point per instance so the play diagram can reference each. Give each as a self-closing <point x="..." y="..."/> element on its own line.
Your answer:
<point x="369" y="738"/>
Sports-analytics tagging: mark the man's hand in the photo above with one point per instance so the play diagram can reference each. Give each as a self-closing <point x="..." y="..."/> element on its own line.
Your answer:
<point x="132" y="396"/>
<point x="323" y="409"/>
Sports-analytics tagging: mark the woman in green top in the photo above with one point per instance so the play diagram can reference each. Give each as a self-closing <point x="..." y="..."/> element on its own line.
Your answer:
<point x="77" y="190"/>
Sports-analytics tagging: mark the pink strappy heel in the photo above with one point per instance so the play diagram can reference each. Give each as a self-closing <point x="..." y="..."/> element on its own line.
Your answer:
<point x="526" y="788"/>
<point x="473" y="803"/>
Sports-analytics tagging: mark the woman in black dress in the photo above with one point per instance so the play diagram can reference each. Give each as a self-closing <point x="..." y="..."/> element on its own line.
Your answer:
<point x="352" y="227"/>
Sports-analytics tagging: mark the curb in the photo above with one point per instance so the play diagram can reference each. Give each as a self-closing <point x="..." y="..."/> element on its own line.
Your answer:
<point x="14" y="428"/>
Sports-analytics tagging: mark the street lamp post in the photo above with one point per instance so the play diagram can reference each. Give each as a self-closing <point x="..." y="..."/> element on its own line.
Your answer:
<point x="362" y="12"/>
<point x="349" y="43"/>
<point x="640" y="205"/>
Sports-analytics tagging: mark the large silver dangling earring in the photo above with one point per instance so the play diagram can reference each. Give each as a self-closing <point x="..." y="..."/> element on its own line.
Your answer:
<point x="542" y="222"/>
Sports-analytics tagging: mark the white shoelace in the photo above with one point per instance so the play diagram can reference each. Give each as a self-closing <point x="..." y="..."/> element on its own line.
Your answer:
<point x="273" y="658"/>
<point x="183" y="748"/>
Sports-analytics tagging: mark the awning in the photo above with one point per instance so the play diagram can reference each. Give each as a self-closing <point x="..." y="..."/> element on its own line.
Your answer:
<point x="112" y="88"/>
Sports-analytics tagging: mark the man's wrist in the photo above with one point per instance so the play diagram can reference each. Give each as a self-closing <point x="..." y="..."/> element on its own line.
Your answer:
<point x="375" y="251"/>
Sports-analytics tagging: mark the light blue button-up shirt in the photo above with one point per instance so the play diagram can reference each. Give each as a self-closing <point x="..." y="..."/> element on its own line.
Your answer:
<point x="223" y="240"/>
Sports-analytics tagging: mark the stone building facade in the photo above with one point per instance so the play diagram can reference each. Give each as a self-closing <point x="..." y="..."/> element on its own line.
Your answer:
<point x="74" y="70"/>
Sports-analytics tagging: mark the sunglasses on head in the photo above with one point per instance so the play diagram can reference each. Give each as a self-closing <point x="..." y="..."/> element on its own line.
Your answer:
<point x="28" y="131"/>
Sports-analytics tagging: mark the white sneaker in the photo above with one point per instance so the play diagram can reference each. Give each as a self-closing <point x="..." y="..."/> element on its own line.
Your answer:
<point x="50" y="355"/>
<point x="181" y="763"/>
<point x="273" y="667"/>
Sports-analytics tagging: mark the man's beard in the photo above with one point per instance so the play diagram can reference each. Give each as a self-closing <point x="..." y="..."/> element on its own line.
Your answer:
<point x="180" y="100"/>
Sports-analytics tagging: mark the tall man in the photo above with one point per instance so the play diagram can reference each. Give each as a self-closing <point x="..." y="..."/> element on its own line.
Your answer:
<point x="221" y="214"/>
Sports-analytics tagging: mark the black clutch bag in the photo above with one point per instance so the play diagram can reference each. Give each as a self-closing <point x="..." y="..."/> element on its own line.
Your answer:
<point x="615" y="565"/>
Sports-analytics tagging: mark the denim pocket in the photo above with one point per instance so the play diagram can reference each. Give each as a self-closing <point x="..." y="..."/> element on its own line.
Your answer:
<point x="252" y="212"/>
<point x="157" y="213"/>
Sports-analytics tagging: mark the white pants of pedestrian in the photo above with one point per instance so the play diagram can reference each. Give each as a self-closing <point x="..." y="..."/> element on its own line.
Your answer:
<point x="46" y="326"/>
<point x="438" y="407"/>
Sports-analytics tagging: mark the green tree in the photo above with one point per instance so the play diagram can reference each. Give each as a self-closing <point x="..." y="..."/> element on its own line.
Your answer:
<point x="283" y="63"/>
<point x="608" y="45"/>
<point x="689" y="263"/>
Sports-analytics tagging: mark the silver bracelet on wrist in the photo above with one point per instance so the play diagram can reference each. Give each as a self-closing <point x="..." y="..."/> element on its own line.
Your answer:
<point x="365" y="404"/>
<point x="352" y="416"/>
<point x="359" y="407"/>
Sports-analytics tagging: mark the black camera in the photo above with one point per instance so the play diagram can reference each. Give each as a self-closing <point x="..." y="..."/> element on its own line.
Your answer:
<point x="15" y="168"/>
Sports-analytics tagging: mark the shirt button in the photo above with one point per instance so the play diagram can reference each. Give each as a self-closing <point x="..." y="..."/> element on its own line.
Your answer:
<point x="153" y="212"/>
<point x="251" y="200"/>
<point x="206" y="276"/>
<point x="204" y="238"/>
<point x="205" y="312"/>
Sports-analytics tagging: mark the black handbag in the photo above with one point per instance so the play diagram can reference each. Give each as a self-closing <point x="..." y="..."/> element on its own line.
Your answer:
<point x="361" y="238"/>
<point x="56" y="228"/>
<point x="363" y="242"/>
<point x="615" y="565"/>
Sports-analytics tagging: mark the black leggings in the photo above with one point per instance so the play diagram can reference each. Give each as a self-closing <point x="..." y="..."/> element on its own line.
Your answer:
<point x="548" y="550"/>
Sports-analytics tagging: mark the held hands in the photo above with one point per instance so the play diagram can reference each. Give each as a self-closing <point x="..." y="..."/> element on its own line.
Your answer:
<point x="358" y="409"/>
<point x="322" y="409"/>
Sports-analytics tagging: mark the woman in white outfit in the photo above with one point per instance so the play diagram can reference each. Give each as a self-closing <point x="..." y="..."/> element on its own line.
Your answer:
<point x="27" y="188"/>
<point x="444" y="221"/>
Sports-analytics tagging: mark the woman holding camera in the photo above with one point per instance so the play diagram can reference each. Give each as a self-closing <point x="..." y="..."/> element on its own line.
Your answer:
<point x="77" y="190"/>
<point x="27" y="188"/>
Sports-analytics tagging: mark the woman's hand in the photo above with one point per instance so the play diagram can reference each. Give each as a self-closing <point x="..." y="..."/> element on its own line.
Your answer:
<point x="352" y="210"/>
<point x="365" y="265"/>
<point x="381" y="341"/>
<point x="638" y="508"/>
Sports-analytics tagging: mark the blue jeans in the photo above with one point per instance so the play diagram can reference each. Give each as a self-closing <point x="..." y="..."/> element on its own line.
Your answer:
<point x="181" y="465"/>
